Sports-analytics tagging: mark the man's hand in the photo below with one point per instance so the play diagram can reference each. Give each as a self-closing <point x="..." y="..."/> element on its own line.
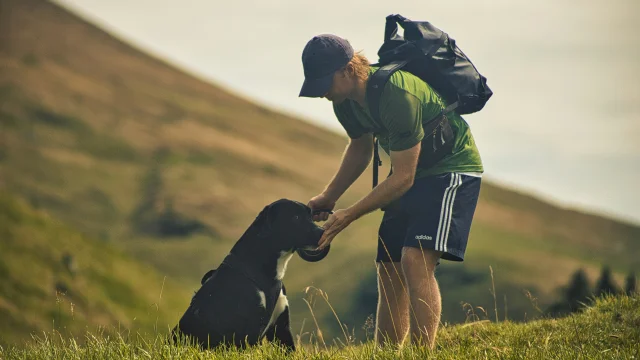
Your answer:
<point x="337" y="222"/>
<point x="405" y="163"/>
<point x="321" y="202"/>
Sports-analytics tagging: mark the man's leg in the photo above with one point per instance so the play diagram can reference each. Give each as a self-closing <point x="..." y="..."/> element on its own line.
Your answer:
<point x="392" y="318"/>
<point x="440" y="210"/>
<point x="418" y="266"/>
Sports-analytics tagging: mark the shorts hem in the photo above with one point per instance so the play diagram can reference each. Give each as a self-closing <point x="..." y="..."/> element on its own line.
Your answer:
<point x="451" y="254"/>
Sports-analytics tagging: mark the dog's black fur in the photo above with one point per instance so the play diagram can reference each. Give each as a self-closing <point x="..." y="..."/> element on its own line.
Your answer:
<point x="229" y="309"/>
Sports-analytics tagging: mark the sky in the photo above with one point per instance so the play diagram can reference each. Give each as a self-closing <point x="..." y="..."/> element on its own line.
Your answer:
<point x="563" y="123"/>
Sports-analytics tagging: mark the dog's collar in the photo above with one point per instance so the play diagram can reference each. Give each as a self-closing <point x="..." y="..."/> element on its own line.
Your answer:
<point x="263" y="282"/>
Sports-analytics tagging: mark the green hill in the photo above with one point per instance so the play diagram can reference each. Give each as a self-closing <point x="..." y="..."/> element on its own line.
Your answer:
<point x="95" y="286"/>
<point x="138" y="154"/>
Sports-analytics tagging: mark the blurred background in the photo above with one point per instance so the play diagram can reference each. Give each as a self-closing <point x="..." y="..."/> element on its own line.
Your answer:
<point x="139" y="139"/>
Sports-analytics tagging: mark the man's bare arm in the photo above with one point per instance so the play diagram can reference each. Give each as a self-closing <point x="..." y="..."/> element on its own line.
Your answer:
<point x="354" y="161"/>
<point x="404" y="169"/>
<point x="393" y="187"/>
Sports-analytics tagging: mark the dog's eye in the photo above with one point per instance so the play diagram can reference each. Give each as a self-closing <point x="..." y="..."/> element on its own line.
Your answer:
<point x="297" y="217"/>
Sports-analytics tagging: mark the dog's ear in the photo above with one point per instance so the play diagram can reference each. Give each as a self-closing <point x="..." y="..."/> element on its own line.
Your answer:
<point x="313" y="255"/>
<point x="265" y="219"/>
<point x="207" y="276"/>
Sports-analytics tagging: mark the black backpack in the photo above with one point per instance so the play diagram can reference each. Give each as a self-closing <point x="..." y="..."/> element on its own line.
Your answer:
<point x="430" y="54"/>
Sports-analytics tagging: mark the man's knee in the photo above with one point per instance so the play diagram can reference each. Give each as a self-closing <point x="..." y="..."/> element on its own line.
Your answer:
<point x="390" y="272"/>
<point x="419" y="260"/>
<point x="391" y="282"/>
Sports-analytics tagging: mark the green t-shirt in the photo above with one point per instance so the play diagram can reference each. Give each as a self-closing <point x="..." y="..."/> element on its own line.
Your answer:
<point x="406" y="102"/>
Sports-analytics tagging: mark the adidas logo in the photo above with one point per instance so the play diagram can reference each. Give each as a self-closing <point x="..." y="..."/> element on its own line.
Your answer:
<point x="423" y="237"/>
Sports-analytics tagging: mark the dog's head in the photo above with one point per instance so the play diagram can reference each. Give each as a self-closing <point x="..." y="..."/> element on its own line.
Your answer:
<point x="289" y="226"/>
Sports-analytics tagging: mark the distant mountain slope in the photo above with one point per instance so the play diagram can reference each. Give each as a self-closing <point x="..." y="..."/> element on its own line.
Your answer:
<point x="96" y="132"/>
<point x="55" y="278"/>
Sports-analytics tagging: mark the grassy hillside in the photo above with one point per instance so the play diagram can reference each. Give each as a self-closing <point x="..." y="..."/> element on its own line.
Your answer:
<point x="609" y="330"/>
<point x="99" y="287"/>
<point x="110" y="141"/>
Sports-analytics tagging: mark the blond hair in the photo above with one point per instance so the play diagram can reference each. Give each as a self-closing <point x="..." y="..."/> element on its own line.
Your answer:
<point x="358" y="66"/>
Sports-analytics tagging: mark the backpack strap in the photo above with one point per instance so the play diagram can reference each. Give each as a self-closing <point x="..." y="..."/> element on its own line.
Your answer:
<point x="376" y="83"/>
<point x="376" y="156"/>
<point x="431" y="125"/>
<point x="375" y="86"/>
<point x="376" y="161"/>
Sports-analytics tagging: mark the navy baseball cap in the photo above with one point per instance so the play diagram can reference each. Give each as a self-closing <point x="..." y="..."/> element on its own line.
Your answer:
<point x="321" y="58"/>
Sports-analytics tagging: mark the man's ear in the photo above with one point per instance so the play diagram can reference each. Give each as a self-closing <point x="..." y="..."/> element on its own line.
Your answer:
<point x="347" y="71"/>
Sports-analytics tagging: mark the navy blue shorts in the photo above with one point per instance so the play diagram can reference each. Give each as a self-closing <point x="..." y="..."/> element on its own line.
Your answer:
<point x="436" y="213"/>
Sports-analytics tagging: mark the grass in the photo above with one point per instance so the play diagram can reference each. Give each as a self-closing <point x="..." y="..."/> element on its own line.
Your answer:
<point x="78" y="125"/>
<point x="102" y="286"/>
<point x="610" y="329"/>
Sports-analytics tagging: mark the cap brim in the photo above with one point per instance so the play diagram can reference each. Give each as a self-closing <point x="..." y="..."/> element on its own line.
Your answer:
<point x="316" y="87"/>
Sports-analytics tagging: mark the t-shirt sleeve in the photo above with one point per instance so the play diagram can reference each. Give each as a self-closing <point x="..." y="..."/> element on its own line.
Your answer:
<point x="345" y="116"/>
<point x="401" y="113"/>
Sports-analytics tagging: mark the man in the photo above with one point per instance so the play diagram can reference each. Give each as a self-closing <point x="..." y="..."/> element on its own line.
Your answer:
<point x="428" y="210"/>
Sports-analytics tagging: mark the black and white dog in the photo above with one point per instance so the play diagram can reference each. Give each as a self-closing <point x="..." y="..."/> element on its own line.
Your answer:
<point x="244" y="299"/>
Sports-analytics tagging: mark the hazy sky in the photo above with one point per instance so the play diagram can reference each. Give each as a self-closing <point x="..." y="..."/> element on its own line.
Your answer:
<point x="564" y="121"/>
